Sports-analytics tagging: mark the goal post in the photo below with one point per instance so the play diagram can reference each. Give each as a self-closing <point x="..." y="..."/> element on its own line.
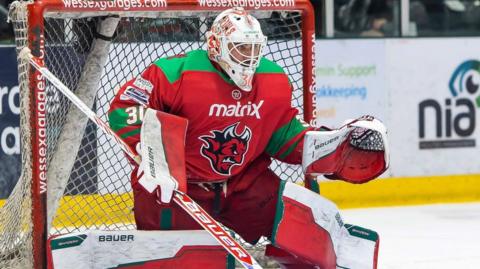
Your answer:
<point x="73" y="177"/>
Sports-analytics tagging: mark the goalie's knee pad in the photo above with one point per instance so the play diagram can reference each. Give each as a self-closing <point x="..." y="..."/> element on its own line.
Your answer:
<point x="309" y="230"/>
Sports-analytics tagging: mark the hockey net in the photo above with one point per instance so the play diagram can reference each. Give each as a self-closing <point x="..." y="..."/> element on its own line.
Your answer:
<point x="73" y="176"/>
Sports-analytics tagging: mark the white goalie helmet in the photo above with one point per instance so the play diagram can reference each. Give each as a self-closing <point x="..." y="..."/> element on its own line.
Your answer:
<point x="236" y="42"/>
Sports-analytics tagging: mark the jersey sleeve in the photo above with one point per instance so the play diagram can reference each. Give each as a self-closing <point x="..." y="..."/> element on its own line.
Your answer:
<point x="286" y="143"/>
<point x="151" y="89"/>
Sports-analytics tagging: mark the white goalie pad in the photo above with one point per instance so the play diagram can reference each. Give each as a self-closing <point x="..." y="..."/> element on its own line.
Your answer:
<point x="136" y="249"/>
<point x="358" y="248"/>
<point x="309" y="219"/>
<point x="331" y="151"/>
<point x="163" y="153"/>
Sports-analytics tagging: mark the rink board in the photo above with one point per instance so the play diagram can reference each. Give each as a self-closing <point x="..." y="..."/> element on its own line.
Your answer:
<point x="404" y="191"/>
<point x="387" y="192"/>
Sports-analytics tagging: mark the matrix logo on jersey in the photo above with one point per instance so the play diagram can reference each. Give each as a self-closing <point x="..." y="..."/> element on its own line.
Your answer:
<point x="452" y="120"/>
<point x="238" y="110"/>
<point x="225" y="149"/>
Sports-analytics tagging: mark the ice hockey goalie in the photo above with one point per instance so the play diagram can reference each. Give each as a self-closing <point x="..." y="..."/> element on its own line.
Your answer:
<point x="238" y="107"/>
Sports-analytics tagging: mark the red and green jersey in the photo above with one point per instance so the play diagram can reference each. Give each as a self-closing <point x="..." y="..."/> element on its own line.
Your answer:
<point x="228" y="128"/>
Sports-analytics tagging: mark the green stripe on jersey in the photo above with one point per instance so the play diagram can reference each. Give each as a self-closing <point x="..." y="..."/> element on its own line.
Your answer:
<point x="195" y="60"/>
<point x="131" y="133"/>
<point x="289" y="150"/>
<point x="283" y="135"/>
<point x="118" y="118"/>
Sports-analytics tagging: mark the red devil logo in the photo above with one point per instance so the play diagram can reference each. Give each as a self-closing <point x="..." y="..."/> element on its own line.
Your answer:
<point x="226" y="148"/>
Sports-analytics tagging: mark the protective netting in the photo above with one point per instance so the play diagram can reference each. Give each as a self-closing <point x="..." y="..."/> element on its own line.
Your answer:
<point x="88" y="175"/>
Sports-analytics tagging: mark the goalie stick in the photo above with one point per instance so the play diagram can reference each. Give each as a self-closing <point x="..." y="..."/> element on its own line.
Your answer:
<point x="182" y="199"/>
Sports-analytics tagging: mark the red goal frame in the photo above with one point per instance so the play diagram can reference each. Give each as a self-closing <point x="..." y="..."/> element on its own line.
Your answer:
<point x="36" y="44"/>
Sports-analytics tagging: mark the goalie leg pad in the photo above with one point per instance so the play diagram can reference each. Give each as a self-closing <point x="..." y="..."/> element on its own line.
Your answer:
<point x="136" y="249"/>
<point x="310" y="229"/>
<point x="304" y="225"/>
<point x="286" y="260"/>
<point x="358" y="248"/>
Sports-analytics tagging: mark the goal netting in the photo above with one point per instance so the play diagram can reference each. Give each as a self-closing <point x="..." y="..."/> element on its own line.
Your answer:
<point x="73" y="176"/>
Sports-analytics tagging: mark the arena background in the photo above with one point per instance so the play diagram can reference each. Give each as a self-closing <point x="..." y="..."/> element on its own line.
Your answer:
<point x="413" y="64"/>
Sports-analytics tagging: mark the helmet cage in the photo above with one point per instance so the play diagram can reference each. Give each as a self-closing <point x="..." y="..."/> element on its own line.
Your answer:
<point x="238" y="50"/>
<point x="249" y="53"/>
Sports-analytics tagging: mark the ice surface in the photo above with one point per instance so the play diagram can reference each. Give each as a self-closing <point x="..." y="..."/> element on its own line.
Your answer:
<point x="419" y="237"/>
